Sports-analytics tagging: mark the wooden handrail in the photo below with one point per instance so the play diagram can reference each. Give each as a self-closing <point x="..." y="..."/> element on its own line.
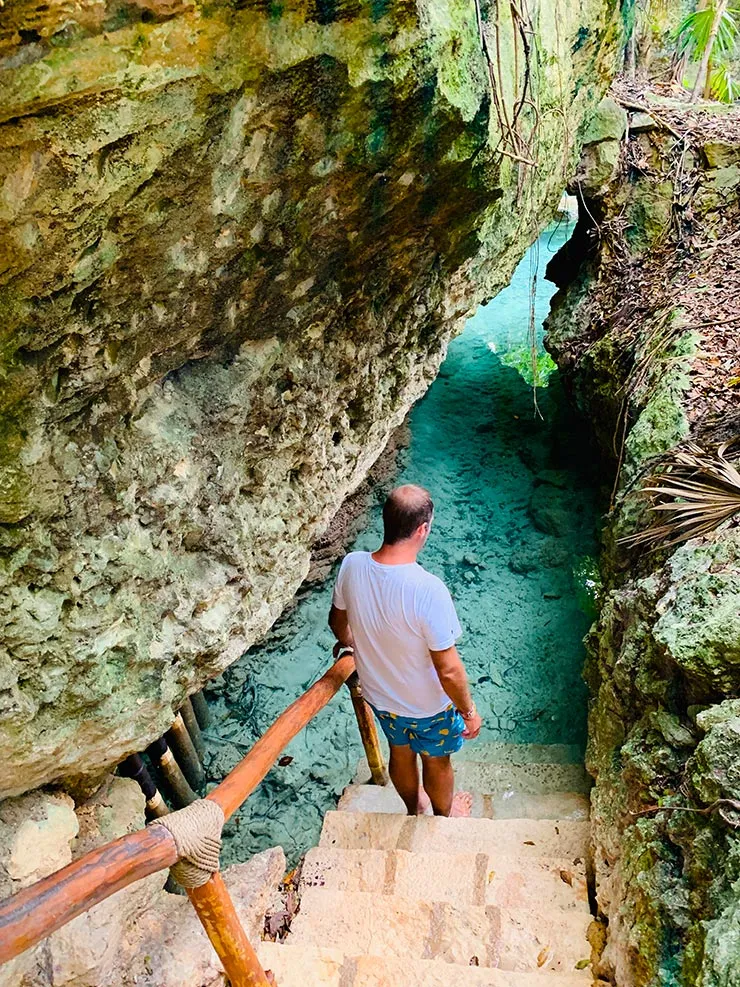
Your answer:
<point x="34" y="913"/>
<point x="239" y="783"/>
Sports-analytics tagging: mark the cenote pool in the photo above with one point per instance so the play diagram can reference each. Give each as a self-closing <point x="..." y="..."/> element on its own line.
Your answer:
<point x="514" y="534"/>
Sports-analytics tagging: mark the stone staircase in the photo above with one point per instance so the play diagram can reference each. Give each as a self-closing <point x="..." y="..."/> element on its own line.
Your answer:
<point x="496" y="900"/>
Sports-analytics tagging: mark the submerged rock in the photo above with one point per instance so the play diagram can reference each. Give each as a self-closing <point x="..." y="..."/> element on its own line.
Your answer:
<point x="551" y="510"/>
<point x="548" y="553"/>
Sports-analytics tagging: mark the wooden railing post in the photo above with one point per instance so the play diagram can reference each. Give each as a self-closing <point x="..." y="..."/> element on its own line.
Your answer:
<point x="215" y="909"/>
<point x="368" y="732"/>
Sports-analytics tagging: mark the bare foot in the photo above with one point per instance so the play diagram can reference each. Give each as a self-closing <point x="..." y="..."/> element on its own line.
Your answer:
<point x="423" y="804"/>
<point x="462" y="805"/>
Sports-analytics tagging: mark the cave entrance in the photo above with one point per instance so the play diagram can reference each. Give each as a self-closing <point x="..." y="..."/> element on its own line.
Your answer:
<point x="514" y="540"/>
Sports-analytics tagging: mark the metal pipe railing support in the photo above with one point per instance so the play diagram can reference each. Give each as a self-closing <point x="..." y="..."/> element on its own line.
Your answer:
<point x="184" y="750"/>
<point x="134" y="767"/>
<point x="163" y="758"/>
<point x="201" y="709"/>
<point x="193" y="727"/>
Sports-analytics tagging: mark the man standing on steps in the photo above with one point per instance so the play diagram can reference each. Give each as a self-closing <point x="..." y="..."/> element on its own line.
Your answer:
<point x="400" y="622"/>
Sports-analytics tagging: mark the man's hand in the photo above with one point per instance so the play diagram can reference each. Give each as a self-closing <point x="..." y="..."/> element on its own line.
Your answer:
<point x="472" y="726"/>
<point x="339" y="623"/>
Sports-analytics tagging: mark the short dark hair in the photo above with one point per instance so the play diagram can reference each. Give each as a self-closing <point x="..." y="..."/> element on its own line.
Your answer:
<point x="405" y="509"/>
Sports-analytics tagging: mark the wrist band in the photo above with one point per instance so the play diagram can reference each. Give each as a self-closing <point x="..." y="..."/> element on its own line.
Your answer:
<point x="469" y="714"/>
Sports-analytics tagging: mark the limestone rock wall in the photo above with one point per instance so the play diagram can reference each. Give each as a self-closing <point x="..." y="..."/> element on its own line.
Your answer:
<point x="235" y="240"/>
<point x="646" y="337"/>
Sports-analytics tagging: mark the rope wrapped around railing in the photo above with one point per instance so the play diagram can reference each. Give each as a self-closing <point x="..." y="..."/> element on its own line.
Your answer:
<point x="188" y="841"/>
<point x="196" y="831"/>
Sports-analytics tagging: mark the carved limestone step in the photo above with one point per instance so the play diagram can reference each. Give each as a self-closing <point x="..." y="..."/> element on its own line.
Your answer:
<point x="311" y="966"/>
<point x="543" y="883"/>
<point x="304" y="966"/>
<point x="525" y="779"/>
<point x="500" y="753"/>
<point x="376" y="971"/>
<point x="390" y="925"/>
<point x="506" y="805"/>
<point x="523" y="838"/>
<point x="492" y="778"/>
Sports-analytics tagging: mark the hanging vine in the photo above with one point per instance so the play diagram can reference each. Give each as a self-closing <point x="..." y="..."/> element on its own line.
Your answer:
<point x="512" y="142"/>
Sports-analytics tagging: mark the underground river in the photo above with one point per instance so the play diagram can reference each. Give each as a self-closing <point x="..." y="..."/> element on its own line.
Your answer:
<point x="514" y="539"/>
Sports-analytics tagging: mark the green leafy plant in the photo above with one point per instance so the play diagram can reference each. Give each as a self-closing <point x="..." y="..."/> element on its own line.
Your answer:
<point x="588" y="585"/>
<point x="535" y="373"/>
<point x="724" y="84"/>
<point x="710" y="34"/>
<point x="697" y="492"/>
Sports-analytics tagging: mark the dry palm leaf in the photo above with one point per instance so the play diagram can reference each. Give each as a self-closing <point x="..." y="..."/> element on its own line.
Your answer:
<point x="698" y="491"/>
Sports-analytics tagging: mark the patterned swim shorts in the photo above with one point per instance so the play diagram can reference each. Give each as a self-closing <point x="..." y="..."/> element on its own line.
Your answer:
<point x="434" y="736"/>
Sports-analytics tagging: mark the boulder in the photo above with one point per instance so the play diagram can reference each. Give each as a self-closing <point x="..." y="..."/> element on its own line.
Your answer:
<point x="598" y="168"/>
<point x="721" y="154"/>
<point x="641" y="123"/>
<point x="607" y="123"/>
<point x="36" y="836"/>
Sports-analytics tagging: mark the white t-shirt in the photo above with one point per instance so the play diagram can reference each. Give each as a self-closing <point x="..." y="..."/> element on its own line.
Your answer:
<point x="398" y="613"/>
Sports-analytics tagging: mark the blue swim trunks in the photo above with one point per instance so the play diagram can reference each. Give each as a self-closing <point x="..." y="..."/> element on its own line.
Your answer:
<point x="435" y="736"/>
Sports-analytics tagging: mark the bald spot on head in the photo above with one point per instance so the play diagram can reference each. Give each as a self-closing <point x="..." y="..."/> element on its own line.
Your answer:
<point x="406" y="508"/>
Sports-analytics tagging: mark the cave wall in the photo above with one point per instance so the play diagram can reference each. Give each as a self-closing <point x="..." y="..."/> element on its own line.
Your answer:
<point x="235" y="241"/>
<point x="645" y="331"/>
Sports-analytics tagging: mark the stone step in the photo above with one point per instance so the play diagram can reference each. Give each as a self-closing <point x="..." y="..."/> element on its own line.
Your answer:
<point x="304" y="966"/>
<point x="507" y="805"/>
<point x="494" y="778"/>
<point x="523" y="838"/>
<point x="543" y="778"/>
<point x="311" y="966"/>
<point x="499" y="753"/>
<point x="461" y="878"/>
<point x="521" y="940"/>
<point x="376" y="971"/>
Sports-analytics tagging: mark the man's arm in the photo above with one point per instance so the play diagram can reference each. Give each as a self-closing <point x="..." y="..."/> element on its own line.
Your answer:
<point x="339" y="623"/>
<point x="454" y="681"/>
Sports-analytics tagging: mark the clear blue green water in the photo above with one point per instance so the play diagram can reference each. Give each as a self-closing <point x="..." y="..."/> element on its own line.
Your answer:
<point x="515" y="518"/>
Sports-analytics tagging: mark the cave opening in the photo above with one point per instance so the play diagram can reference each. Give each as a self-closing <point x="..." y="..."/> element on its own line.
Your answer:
<point x="515" y="539"/>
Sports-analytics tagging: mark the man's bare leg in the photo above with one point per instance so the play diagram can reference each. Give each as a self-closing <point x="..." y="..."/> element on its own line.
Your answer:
<point x="439" y="784"/>
<point x="403" y="767"/>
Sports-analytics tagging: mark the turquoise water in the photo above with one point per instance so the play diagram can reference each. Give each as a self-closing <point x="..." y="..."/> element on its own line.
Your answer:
<point x="515" y="515"/>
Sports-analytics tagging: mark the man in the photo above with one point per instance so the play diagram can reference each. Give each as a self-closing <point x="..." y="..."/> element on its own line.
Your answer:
<point x="400" y="622"/>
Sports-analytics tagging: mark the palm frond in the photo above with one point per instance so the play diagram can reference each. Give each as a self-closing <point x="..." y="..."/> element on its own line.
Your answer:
<point x="698" y="490"/>
<point x="725" y="85"/>
<point x="694" y="31"/>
